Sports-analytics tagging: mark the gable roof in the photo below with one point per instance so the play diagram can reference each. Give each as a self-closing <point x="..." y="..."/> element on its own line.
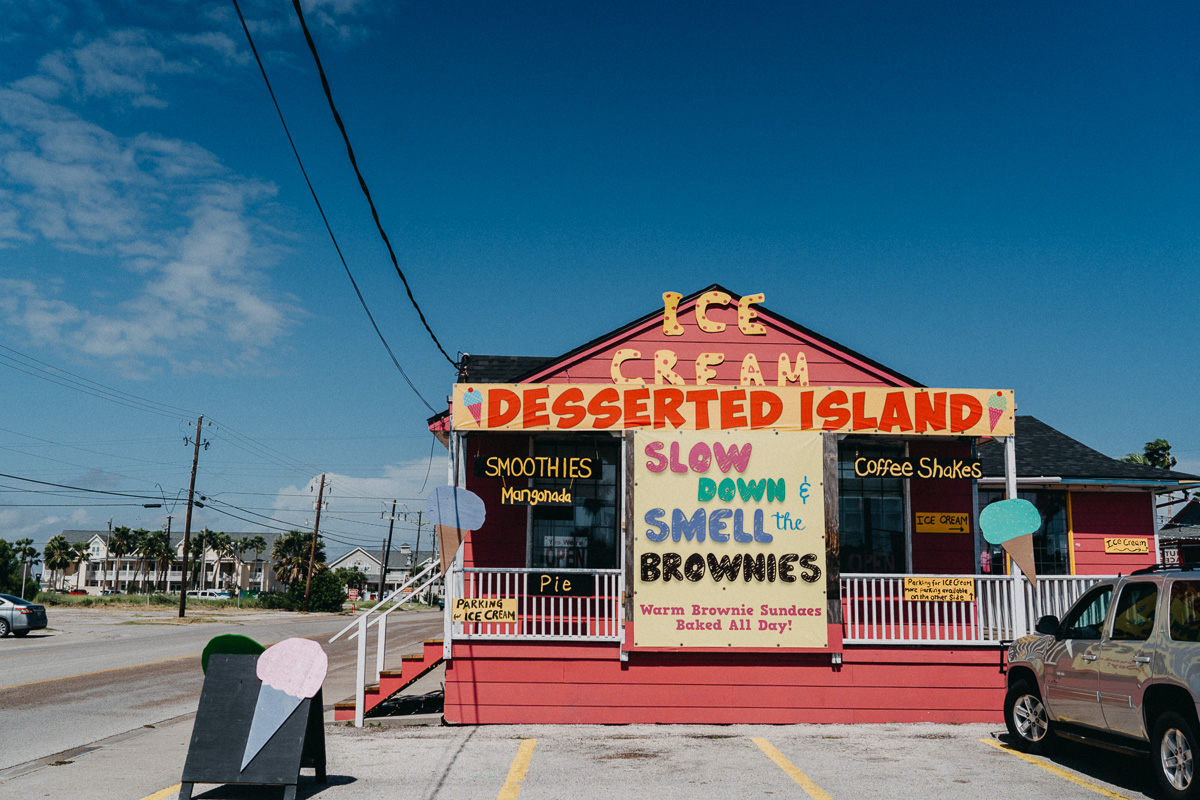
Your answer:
<point x="1043" y="452"/>
<point x="532" y="369"/>
<point x="1185" y="523"/>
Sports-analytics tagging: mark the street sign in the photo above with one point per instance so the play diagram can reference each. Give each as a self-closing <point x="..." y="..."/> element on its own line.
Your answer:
<point x="943" y="522"/>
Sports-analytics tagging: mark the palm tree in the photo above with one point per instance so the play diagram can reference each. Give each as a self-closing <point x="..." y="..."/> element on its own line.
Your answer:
<point x="257" y="544"/>
<point x="219" y="543"/>
<point x="158" y="549"/>
<point x="120" y="542"/>
<point x="291" y="553"/>
<point x="141" y="537"/>
<point x="27" y="554"/>
<point x="79" y="551"/>
<point x="198" y="549"/>
<point x="58" y="555"/>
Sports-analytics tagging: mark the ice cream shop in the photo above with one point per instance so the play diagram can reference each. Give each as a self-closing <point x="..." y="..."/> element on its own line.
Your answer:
<point x="715" y="514"/>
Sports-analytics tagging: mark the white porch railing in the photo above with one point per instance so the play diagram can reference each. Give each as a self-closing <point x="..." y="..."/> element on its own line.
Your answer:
<point x="424" y="579"/>
<point x="597" y="616"/>
<point x="875" y="611"/>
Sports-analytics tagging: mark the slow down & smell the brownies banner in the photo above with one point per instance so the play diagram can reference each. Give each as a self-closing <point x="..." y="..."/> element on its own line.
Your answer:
<point x="844" y="409"/>
<point x="728" y="540"/>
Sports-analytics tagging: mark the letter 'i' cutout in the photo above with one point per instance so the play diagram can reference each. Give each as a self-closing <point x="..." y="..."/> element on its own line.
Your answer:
<point x="671" y="326"/>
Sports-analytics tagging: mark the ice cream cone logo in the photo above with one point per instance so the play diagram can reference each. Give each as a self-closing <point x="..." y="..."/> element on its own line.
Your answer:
<point x="474" y="402"/>
<point x="1011" y="524"/>
<point x="997" y="405"/>
<point x="290" y="671"/>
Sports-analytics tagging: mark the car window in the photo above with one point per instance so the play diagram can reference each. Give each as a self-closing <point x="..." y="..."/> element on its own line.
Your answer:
<point x="1185" y="611"/>
<point x="11" y="599"/>
<point x="1086" y="617"/>
<point x="1134" y="617"/>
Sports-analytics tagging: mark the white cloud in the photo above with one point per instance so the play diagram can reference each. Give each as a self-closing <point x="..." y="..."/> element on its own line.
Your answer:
<point x="159" y="208"/>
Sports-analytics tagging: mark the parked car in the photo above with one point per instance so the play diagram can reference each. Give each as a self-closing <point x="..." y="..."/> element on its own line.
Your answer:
<point x="1121" y="670"/>
<point x="210" y="594"/>
<point x="20" y="616"/>
<point x="110" y="592"/>
<point x="77" y="591"/>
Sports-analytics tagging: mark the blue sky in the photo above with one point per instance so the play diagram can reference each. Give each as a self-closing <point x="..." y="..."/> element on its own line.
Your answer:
<point x="979" y="196"/>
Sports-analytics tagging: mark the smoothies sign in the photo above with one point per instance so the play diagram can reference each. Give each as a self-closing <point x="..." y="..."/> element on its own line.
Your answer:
<point x="729" y="540"/>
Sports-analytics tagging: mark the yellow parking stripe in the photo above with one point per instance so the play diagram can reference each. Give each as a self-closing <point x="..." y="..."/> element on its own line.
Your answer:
<point x="516" y="773"/>
<point x="163" y="794"/>
<point x="1053" y="770"/>
<point x="793" y="772"/>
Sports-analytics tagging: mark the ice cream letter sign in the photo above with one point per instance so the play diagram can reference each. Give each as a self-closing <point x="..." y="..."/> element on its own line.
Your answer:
<point x="290" y="671"/>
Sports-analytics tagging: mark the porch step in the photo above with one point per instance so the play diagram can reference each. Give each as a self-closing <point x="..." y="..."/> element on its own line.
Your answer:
<point x="391" y="681"/>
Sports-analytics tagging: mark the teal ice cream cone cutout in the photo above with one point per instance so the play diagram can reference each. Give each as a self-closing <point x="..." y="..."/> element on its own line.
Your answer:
<point x="1011" y="524"/>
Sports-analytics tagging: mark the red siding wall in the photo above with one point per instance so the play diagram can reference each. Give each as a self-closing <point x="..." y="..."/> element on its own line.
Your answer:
<point x="1095" y="515"/>
<point x="827" y="366"/>
<point x="952" y="553"/>
<point x="587" y="683"/>
<point x="501" y="540"/>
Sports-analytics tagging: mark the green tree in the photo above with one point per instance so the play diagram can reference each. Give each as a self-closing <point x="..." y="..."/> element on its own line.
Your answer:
<point x="351" y="578"/>
<point x="291" y="554"/>
<point x="197" y="548"/>
<point x="219" y="543"/>
<point x="27" y="556"/>
<point x="158" y="550"/>
<point x="141" y="538"/>
<point x="58" y="556"/>
<point x="257" y="543"/>
<point x="120" y="543"/>
<point x="1154" y="454"/>
<point x="11" y="566"/>
<point x="79" y="554"/>
<point x="326" y="593"/>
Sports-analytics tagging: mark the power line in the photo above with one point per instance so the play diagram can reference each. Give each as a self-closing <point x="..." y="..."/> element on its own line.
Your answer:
<point x="362" y="183"/>
<point x="329" y="229"/>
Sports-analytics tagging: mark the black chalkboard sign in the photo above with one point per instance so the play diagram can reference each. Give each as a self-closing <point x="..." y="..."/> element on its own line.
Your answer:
<point x="562" y="584"/>
<point x="227" y="704"/>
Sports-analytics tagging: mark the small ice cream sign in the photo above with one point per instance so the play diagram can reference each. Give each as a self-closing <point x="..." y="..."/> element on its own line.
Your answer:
<point x="996" y="406"/>
<point x="473" y="400"/>
<point x="290" y="671"/>
<point x="1011" y="524"/>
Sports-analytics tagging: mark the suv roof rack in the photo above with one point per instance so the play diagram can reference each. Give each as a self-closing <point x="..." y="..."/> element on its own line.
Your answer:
<point x="1163" y="568"/>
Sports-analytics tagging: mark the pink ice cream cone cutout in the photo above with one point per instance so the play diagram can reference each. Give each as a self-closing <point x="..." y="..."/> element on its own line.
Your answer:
<point x="290" y="671"/>
<point x="997" y="405"/>
<point x="474" y="402"/>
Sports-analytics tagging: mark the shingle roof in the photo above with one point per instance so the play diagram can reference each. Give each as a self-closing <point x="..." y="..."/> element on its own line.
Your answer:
<point x="1186" y="523"/>
<point x="499" y="369"/>
<point x="1043" y="451"/>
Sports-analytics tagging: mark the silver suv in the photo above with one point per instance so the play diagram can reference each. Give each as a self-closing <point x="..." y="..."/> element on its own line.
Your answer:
<point x="1121" y="671"/>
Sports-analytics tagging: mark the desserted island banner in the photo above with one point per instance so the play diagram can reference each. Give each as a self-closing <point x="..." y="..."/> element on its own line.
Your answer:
<point x="728" y="540"/>
<point x="842" y="409"/>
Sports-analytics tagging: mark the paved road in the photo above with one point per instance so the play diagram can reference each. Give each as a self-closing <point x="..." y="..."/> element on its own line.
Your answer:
<point x="100" y="673"/>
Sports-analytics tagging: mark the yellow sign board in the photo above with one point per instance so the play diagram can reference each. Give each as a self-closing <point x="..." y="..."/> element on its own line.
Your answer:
<point x="1126" y="545"/>
<point x="486" y="609"/>
<point x="729" y="540"/>
<point x="654" y="407"/>
<point x="939" y="590"/>
<point x="943" y="522"/>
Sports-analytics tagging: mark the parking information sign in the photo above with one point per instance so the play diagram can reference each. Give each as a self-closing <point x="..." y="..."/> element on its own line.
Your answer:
<point x="729" y="540"/>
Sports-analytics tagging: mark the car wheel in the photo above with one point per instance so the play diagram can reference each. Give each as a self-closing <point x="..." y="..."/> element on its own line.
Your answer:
<point x="1025" y="716"/>
<point x="3" y="628"/>
<point x="1173" y="748"/>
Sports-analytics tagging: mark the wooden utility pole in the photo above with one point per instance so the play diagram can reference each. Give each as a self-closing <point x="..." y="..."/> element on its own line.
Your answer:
<point x="387" y="552"/>
<point x="312" y="553"/>
<point x="187" y="522"/>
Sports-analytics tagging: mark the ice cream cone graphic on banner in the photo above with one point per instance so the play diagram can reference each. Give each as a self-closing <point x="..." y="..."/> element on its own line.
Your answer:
<point x="290" y="671"/>
<point x="996" y="405"/>
<point x="473" y="400"/>
<point x="1011" y="524"/>
<point x="454" y="511"/>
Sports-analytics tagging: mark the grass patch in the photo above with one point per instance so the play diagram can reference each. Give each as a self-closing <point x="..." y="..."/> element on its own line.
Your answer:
<point x="176" y="621"/>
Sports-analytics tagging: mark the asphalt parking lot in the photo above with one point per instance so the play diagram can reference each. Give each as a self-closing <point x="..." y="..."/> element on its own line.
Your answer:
<point x="797" y="761"/>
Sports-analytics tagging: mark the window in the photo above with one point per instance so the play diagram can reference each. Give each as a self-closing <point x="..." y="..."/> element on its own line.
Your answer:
<point x="1134" y="618"/>
<point x="871" y="512"/>
<point x="1185" y="611"/>
<point x="585" y="533"/>
<point x="1051" y="548"/>
<point x="1086" y="618"/>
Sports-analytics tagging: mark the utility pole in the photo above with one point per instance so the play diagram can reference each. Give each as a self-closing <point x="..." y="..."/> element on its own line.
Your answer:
<point x="387" y="551"/>
<point x="417" y="549"/>
<point x="312" y="553"/>
<point x="187" y="522"/>
<point x="104" y="563"/>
